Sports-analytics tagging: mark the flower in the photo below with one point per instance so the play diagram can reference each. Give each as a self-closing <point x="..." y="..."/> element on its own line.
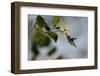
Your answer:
<point x="63" y="26"/>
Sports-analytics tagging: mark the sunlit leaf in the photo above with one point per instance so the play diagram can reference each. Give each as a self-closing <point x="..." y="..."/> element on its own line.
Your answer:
<point x="53" y="35"/>
<point x="55" y="20"/>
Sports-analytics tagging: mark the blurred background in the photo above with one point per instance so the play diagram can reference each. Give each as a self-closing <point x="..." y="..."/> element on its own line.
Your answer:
<point x="77" y="27"/>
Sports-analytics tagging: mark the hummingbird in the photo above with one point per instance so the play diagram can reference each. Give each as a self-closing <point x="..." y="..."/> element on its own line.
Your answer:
<point x="63" y="27"/>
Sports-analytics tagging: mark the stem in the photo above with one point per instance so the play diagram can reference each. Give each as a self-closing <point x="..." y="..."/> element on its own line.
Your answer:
<point x="52" y="31"/>
<point x="57" y="31"/>
<point x="37" y="29"/>
<point x="66" y="34"/>
<point x="40" y="30"/>
<point x="33" y="27"/>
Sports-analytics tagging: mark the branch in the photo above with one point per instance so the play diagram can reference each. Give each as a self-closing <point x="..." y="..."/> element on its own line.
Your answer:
<point x="33" y="27"/>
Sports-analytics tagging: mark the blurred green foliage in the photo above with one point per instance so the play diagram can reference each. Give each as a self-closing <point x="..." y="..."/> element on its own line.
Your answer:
<point x="55" y="20"/>
<point x="41" y="23"/>
<point x="43" y="35"/>
<point x="52" y="51"/>
<point x="53" y="35"/>
<point x="35" y="50"/>
<point x="41" y="39"/>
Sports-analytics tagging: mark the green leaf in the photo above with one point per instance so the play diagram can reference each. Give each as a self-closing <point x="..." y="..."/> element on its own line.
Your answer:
<point x="35" y="50"/>
<point x="41" y="23"/>
<point x="52" y="51"/>
<point x="55" y="20"/>
<point x="41" y="39"/>
<point x="71" y="40"/>
<point x="57" y="27"/>
<point x="53" y="35"/>
<point x="47" y="27"/>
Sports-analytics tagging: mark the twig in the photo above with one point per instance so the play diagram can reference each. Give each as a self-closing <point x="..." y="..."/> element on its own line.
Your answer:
<point x="33" y="27"/>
